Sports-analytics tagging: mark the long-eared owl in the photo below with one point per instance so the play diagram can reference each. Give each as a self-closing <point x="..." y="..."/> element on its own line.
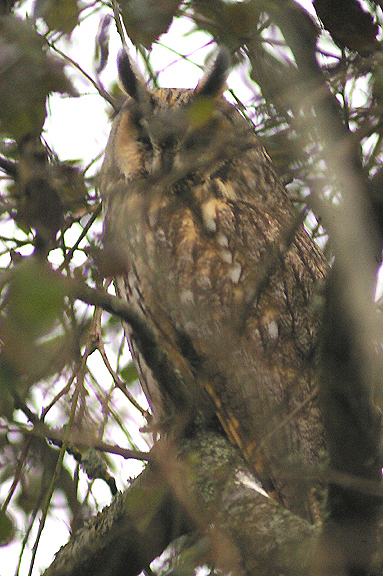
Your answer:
<point x="212" y="255"/>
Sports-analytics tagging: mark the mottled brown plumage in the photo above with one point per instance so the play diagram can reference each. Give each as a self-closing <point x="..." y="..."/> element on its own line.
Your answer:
<point x="214" y="258"/>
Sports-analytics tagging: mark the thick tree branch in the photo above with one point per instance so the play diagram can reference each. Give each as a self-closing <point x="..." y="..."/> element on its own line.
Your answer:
<point x="205" y="488"/>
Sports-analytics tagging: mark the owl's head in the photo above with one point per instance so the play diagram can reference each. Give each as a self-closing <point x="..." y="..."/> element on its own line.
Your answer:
<point x="169" y="133"/>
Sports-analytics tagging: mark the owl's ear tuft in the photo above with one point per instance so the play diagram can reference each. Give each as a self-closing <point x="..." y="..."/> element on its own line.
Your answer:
<point x="132" y="81"/>
<point x="215" y="75"/>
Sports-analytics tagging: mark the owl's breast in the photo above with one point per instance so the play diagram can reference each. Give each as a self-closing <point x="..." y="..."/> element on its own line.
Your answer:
<point x="216" y="263"/>
<point x="228" y="286"/>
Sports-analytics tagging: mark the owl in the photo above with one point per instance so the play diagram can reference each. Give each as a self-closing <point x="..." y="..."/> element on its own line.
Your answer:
<point x="213" y="256"/>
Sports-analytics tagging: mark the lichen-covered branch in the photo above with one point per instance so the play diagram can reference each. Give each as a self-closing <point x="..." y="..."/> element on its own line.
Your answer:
<point x="203" y="487"/>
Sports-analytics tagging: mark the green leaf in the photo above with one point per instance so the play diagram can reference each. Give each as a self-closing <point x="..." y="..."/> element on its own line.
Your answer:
<point x="31" y="349"/>
<point x="35" y="298"/>
<point x="129" y="373"/>
<point x="7" y="529"/>
<point x="200" y="111"/>
<point x="146" y="20"/>
<point x="58" y="14"/>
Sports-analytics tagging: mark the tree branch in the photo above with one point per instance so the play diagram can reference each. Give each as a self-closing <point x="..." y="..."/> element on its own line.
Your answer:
<point x="204" y="486"/>
<point x="348" y="359"/>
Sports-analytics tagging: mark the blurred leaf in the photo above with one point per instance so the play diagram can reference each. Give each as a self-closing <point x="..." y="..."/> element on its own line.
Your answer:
<point x="129" y="373"/>
<point x="277" y="80"/>
<point x="32" y="306"/>
<point x="6" y="6"/>
<point x="146" y="20"/>
<point x="7" y="529"/>
<point x="35" y="298"/>
<point x="39" y="205"/>
<point x="45" y="189"/>
<point x="28" y="75"/>
<point x="52" y="355"/>
<point x="200" y="111"/>
<point x="29" y="498"/>
<point x="231" y="23"/>
<point x="58" y="14"/>
<point x="349" y="24"/>
<point x="70" y="184"/>
<point x="9" y="382"/>
<point x="101" y="52"/>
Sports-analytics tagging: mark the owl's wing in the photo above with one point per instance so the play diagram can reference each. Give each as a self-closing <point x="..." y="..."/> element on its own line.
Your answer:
<point x="239" y="284"/>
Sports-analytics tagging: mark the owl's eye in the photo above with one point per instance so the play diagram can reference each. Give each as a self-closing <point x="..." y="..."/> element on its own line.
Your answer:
<point x="198" y="139"/>
<point x="168" y="142"/>
<point x="142" y="134"/>
<point x="190" y="143"/>
<point x="145" y="141"/>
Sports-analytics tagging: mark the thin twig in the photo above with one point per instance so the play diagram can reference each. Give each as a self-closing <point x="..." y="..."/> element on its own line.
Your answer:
<point x="18" y="470"/>
<point x="95" y="84"/>
<point x="119" y="382"/>
<point x="117" y="19"/>
<point x="147" y="340"/>
<point x="84" y="232"/>
<point x="56" y="473"/>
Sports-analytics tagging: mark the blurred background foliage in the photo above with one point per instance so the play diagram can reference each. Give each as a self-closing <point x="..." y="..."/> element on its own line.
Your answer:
<point x="54" y="397"/>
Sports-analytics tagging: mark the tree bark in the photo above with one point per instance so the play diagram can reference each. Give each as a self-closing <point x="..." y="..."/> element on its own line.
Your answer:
<point x="203" y="487"/>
